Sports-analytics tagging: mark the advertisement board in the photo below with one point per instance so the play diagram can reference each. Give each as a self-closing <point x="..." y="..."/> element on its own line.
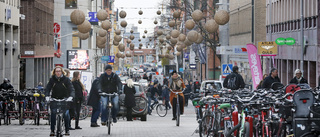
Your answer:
<point x="78" y="59"/>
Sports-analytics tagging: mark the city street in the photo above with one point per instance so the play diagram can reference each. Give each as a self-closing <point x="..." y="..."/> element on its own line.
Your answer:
<point x="155" y="126"/>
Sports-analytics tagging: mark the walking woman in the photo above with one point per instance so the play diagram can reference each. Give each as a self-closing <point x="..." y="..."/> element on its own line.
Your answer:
<point x="176" y="85"/>
<point x="129" y="101"/>
<point x="79" y="88"/>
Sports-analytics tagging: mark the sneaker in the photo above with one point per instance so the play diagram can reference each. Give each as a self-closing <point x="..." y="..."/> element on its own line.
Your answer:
<point x="94" y="125"/>
<point x="103" y="123"/>
<point x="70" y="128"/>
<point x="114" y="120"/>
<point x="174" y="118"/>
<point x="52" y="133"/>
<point x="67" y="133"/>
<point x="78" y="127"/>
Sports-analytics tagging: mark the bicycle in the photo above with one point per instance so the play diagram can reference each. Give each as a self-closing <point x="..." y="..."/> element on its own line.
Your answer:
<point x="84" y="112"/>
<point x="177" y="107"/>
<point x="160" y="108"/>
<point x="109" y="105"/>
<point x="61" y="106"/>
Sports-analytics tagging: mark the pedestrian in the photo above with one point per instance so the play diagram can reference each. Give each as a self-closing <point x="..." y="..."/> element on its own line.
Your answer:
<point x="165" y="95"/>
<point x="261" y="81"/>
<point x="6" y="84"/>
<point x="187" y="93"/>
<point x="60" y="87"/>
<point x="176" y="85"/>
<point x="109" y="83"/>
<point x="298" y="79"/>
<point x="79" y="89"/>
<point x="71" y="113"/>
<point x="234" y="81"/>
<point x="273" y="77"/>
<point x="129" y="100"/>
<point x="94" y="101"/>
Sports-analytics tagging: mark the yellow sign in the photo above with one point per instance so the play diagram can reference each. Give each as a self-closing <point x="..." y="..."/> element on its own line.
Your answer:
<point x="267" y="48"/>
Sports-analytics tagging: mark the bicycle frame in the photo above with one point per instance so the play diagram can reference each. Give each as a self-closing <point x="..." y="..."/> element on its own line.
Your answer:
<point x="109" y="105"/>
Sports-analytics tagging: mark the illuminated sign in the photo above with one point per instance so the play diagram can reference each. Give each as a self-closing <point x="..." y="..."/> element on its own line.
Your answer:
<point x="78" y="60"/>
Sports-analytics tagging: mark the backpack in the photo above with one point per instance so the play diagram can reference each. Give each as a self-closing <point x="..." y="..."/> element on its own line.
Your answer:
<point x="232" y="82"/>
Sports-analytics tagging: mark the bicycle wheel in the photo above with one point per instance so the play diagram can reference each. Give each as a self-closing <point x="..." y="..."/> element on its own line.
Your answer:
<point x="84" y="112"/>
<point x="59" y="132"/>
<point x="161" y="110"/>
<point x="141" y="105"/>
<point x="6" y="117"/>
<point x="109" y="122"/>
<point x="21" y="120"/>
<point x="206" y="125"/>
<point x="178" y="115"/>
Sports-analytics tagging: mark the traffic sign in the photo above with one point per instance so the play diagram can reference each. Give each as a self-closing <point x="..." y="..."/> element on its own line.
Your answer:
<point x="105" y="58"/>
<point x="192" y="66"/>
<point x="93" y="17"/>
<point x="56" y="28"/>
<point x="226" y="69"/>
<point x="111" y="59"/>
<point x="117" y="72"/>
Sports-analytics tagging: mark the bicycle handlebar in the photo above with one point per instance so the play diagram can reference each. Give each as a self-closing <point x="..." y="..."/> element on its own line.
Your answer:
<point x="106" y="94"/>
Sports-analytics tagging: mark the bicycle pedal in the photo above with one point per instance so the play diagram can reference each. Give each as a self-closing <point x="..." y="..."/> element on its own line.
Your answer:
<point x="220" y="131"/>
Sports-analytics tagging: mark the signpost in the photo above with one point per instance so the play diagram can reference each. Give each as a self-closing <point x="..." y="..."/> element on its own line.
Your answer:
<point x="56" y="28"/>
<point x="268" y="48"/>
<point x="226" y="69"/>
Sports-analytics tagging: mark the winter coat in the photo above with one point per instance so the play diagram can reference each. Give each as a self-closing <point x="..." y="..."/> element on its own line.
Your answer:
<point x="6" y="86"/>
<point x="295" y="81"/>
<point x="239" y="80"/>
<point x="165" y="93"/>
<point x="154" y="90"/>
<point x="78" y="91"/>
<point x="129" y="100"/>
<point x="60" y="87"/>
<point x="110" y="84"/>
<point x="189" y="89"/>
<point x="94" y="97"/>
<point x="267" y="82"/>
<point x="173" y="95"/>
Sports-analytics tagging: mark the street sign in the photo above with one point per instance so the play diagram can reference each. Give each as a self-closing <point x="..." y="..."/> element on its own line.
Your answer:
<point x="186" y="56"/>
<point x="111" y="59"/>
<point x="197" y="59"/>
<point x="288" y="41"/>
<point x="56" y="28"/>
<point x="93" y="17"/>
<point x="226" y="69"/>
<point x="192" y="66"/>
<point x="117" y="72"/>
<point x="267" y="48"/>
<point x="105" y="58"/>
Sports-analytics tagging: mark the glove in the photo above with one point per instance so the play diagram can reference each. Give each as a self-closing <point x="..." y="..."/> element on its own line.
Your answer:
<point x="47" y="99"/>
<point x="69" y="99"/>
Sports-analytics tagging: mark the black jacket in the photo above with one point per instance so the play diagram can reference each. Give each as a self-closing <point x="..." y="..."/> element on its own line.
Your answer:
<point x="129" y="100"/>
<point x="154" y="90"/>
<point x="6" y="86"/>
<point x="267" y="82"/>
<point x="295" y="81"/>
<point x="239" y="80"/>
<point x="94" y="97"/>
<point x="78" y="90"/>
<point x="110" y="84"/>
<point x="59" y="87"/>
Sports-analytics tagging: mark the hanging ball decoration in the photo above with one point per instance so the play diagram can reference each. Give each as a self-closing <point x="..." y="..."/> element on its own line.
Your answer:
<point x="124" y="23"/>
<point x="122" y="14"/>
<point x="115" y="43"/>
<point x="84" y="36"/>
<point x="123" y="56"/>
<point x="131" y="31"/>
<point x="187" y="42"/>
<point x="171" y="23"/>
<point x="155" y="22"/>
<point x="143" y="36"/>
<point x="161" y="56"/>
<point x="102" y="32"/>
<point x="168" y="37"/>
<point x="161" y="40"/>
<point x="106" y="25"/>
<point x="139" y="40"/>
<point x="161" y="47"/>
<point x="131" y="46"/>
<point x="101" y="41"/>
<point x="190" y="24"/>
<point x="169" y="48"/>
<point x="178" y="23"/>
<point x="150" y="39"/>
<point x="178" y="53"/>
<point x="140" y="12"/>
<point x="221" y="17"/>
<point x="159" y="32"/>
<point x="140" y="48"/>
<point x="118" y="31"/>
<point x="176" y="14"/>
<point x="131" y="37"/>
<point x="139" y="21"/>
<point x="211" y="26"/>
<point x="167" y="55"/>
<point x="164" y="43"/>
<point x="121" y="47"/>
<point x="200" y="39"/>
<point x="192" y="36"/>
<point x="77" y="17"/>
<point x="196" y="15"/>
<point x="158" y="12"/>
<point x="171" y="57"/>
<point x="102" y="15"/>
<point x="117" y="38"/>
<point x="128" y="41"/>
<point x="179" y="48"/>
<point x="175" y="33"/>
<point x="182" y="37"/>
<point x="145" y="31"/>
<point x="173" y="41"/>
<point x="118" y="55"/>
<point x="140" y="45"/>
<point x="128" y="55"/>
<point x="84" y="27"/>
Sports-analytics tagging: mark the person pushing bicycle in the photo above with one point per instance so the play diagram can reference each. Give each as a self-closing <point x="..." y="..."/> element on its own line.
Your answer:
<point x="176" y="84"/>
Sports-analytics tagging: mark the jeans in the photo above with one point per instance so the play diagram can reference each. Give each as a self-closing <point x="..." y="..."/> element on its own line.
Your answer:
<point x="155" y="101"/>
<point x="95" y="115"/>
<point x="104" y="109"/>
<point x="54" y="120"/>
<point x="149" y="103"/>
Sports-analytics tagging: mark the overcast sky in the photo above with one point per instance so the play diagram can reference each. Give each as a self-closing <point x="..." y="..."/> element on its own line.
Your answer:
<point x="132" y="7"/>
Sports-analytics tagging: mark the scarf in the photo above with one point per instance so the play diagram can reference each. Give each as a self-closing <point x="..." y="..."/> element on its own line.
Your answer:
<point x="176" y="83"/>
<point x="299" y="79"/>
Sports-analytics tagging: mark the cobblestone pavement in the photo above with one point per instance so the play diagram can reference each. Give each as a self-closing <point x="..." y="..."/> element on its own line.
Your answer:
<point x="155" y="126"/>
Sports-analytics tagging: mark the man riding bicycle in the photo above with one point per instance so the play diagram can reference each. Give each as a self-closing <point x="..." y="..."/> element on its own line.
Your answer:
<point x="109" y="83"/>
<point x="60" y="87"/>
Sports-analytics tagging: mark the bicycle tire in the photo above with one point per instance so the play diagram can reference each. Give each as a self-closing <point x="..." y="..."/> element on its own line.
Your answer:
<point x="21" y="120"/>
<point x="161" y="110"/>
<point x="6" y="117"/>
<point x="109" y="121"/>
<point x="84" y="112"/>
<point x="178" y="115"/>
<point x="141" y="105"/>
<point x="205" y="125"/>
<point x="59" y="132"/>
<point x="229" y="134"/>
<point x="247" y="129"/>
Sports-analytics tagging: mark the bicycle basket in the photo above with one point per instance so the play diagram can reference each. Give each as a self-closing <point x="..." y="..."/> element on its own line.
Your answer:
<point x="60" y="105"/>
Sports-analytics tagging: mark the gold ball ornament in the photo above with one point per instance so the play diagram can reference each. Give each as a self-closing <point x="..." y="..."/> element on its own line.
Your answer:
<point x="118" y="32"/>
<point x="176" y="14"/>
<point x="128" y="41"/>
<point x="171" y="57"/>
<point x="192" y="36"/>
<point x="124" y="23"/>
<point x="200" y="39"/>
<point x="84" y="27"/>
<point x="143" y="36"/>
<point x="187" y="42"/>
<point x="178" y="53"/>
<point x="83" y="36"/>
<point x="118" y="55"/>
<point x="131" y="37"/>
<point x="139" y="40"/>
<point x="159" y="32"/>
<point x="131" y="31"/>
<point x="158" y="12"/>
<point x="140" y="45"/>
<point x="169" y="48"/>
<point x="175" y="33"/>
<point x="211" y="26"/>
<point x="171" y="23"/>
<point x="221" y="17"/>
<point x="115" y="42"/>
<point x="179" y="48"/>
<point x="155" y="22"/>
<point x="168" y="37"/>
<point x="161" y="40"/>
<point x="190" y="24"/>
<point x="102" y="15"/>
<point x="145" y="31"/>
<point x="121" y="47"/>
<point x="77" y="17"/>
<point x="182" y="37"/>
<point x="106" y="25"/>
<point x="197" y="15"/>
<point x="140" y="12"/>
<point x="117" y="38"/>
<point x="122" y="14"/>
<point x="173" y="41"/>
<point x="139" y="21"/>
<point x="102" y="32"/>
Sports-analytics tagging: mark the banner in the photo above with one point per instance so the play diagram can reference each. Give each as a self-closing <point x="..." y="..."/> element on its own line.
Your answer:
<point x="86" y="79"/>
<point x="255" y="65"/>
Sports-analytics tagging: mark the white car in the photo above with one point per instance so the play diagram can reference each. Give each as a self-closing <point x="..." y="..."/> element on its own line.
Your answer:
<point x="216" y="84"/>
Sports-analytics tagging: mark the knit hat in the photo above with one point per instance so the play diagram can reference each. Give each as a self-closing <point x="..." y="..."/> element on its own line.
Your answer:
<point x="108" y="67"/>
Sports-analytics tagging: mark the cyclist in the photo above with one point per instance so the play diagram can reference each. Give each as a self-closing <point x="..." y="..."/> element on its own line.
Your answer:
<point x="60" y="87"/>
<point x="109" y="83"/>
<point x="154" y="90"/>
<point x="176" y="85"/>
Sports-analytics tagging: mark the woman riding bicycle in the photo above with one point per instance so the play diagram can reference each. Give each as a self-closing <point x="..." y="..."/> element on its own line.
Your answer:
<point x="176" y="85"/>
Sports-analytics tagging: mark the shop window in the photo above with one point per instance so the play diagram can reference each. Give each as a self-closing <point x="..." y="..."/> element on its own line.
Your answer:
<point x="71" y="4"/>
<point x="76" y="44"/>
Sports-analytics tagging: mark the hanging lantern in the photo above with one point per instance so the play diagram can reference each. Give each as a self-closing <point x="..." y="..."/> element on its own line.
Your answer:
<point x="131" y="46"/>
<point x="77" y="17"/>
<point x="118" y="55"/>
<point x="106" y="25"/>
<point x="178" y="53"/>
<point x="175" y="33"/>
<point x="102" y="15"/>
<point x="83" y="36"/>
<point x="143" y="36"/>
<point x="139" y="21"/>
<point x="84" y="27"/>
<point x="118" y="32"/>
<point x="121" y="47"/>
<point x="115" y="43"/>
<point x="192" y="36"/>
<point x="221" y="17"/>
<point x="211" y="26"/>
<point x="168" y="37"/>
<point x="190" y="24"/>
<point x="173" y="41"/>
<point x="179" y="48"/>
<point x="200" y="39"/>
<point x="122" y="14"/>
<point x="123" y="23"/>
<point x="140" y="12"/>
<point x="155" y="22"/>
<point x="158" y="12"/>
<point x="117" y="38"/>
<point x="139" y="40"/>
<point x="159" y="32"/>
<point x="128" y="41"/>
<point x="176" y="14"/>
<point x="131" y="37"/>
<point x="102" y="32"/>
<point x="182" y="37"/>
<point x="131" y="31"/>
<point x="196" y="15"/>
<point x="145" y="31"/>
<point x="171" y="23"/>
<point x="140" y="45"/>
<point x="161" y="40"/>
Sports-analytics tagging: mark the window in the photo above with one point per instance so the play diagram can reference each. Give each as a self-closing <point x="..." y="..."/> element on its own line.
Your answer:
<point x="71" y="4"/>
<point x="75" y="40"/>
<point x="141" y="59"/>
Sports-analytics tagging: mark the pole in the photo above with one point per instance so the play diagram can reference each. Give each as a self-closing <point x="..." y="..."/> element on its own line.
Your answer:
<point x="302" y="35"/>
<point x="270" y="22"/>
